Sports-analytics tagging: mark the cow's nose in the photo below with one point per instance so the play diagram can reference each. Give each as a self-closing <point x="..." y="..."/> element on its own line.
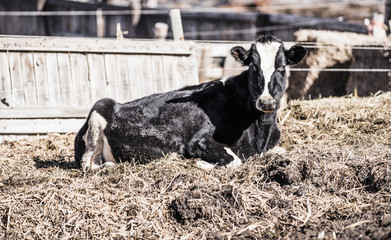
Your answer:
<point x="266" y="104"/>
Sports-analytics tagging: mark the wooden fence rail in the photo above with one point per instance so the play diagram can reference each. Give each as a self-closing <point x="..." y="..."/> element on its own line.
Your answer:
<point x="46" y="77"/>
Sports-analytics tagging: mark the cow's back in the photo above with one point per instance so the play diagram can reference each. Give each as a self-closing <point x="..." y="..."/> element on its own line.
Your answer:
<point x="145" y="129"/>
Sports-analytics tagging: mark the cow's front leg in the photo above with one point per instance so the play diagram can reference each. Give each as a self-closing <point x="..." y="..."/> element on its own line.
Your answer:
<point x="236" y="162"/>
<point x="219" y="156"/>
<point x="98" y="152"/>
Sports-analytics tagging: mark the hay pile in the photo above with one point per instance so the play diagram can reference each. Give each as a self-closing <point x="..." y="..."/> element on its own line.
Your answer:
<point x="333" y="183"/>
<point x="340" y="50"/>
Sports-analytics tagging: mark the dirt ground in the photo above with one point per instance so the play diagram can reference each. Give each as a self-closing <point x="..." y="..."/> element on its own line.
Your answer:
<point x="333" y="183"/>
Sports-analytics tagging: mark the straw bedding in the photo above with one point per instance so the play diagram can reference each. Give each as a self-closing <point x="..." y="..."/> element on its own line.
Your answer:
<point x="333" y="183"/>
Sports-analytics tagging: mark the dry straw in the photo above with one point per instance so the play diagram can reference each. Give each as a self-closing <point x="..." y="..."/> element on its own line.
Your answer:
<point x="333" y="183"/>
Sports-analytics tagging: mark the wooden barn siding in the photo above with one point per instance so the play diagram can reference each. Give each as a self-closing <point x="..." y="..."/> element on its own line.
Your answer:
<point x="218" y="25"/>
<point x="20" y="24"/>
<point x="84" y="25"/>
<point x="43" y="76"/>
<point x="284" y="26"/>
<point x="60" y="25"/>
<point x="194" y="22"/>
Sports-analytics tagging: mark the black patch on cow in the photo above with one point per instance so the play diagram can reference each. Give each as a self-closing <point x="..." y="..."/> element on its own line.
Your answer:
<point x="268" y="39"/>
<point x="240" y="54"/>
<point x="227" y="106"/>
<point x="295" y="54"/>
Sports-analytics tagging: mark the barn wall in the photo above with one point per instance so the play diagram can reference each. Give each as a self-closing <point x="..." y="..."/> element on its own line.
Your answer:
<point x="20" y="24"/>
<point x="86" y="25"/>
<point x="63" y="77"/>
<point x="201" y="25"/>
<point x="83" y="25"/>
<point x="197" y="24"/>
<point x="284" y="26"/>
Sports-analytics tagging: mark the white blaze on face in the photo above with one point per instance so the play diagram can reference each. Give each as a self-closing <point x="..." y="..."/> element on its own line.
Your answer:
<point x="268" y="52"/>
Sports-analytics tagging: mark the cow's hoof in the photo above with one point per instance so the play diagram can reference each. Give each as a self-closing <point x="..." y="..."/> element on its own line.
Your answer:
<point x="108" y="164"/>
<point x="94" y="166"/>
<point x="204" y="165"/>
<point x="236" y="162"/>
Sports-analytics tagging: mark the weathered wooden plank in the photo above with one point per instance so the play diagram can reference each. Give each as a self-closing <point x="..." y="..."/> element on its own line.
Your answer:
<point x="45" y="112"/>
<point x="190" y="64"/>
<point x="36" y="126"/>
<point x="162" y="73"/>
<point x="137" y="80"/>
<point x="157" y="74"/>
<point x="53" y="79"/>
<point x="94" y="45"/>
<point x="13" y="137"/>
<point x="145" y="77"/>
<point x="97" y="76"/>
<point x="124" y="93"/>
<point x="66" y="84"/>
<point x="170" y="72"/>
<point x="5" y="82"/>
<point x="185" y="70"/>
<point x="112" y="76"/>
<point x="80" y="79"/>
<point x="29" y="87"/>
<point x="41" y="78"/>
<point x="205" y="61"/>
<point x="16" y="76"/>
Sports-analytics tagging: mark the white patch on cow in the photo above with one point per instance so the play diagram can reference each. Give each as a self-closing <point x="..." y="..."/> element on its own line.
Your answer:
<point x="108" y="164"/>
<point x="236" y="162"/>
<point x="224" y="79"/>
<point x="204" y="165"/>
<point x="98" y="152"/>
<point x="107" y="154"/>
<point x="268" y="52"/>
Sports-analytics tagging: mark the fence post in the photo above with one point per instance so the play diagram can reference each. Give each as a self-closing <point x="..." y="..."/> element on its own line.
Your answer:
<point x="160" y="30"/>
<point x="176" y="24"/>
<point x="119" y="32"/>
<point x="100" y="23"/>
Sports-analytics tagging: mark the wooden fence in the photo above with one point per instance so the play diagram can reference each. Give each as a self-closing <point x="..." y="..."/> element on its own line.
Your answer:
<point x="45" y="78"/>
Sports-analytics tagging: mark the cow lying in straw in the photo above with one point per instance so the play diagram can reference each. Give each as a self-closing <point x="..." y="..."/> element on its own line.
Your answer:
<point x="216" y="121"/>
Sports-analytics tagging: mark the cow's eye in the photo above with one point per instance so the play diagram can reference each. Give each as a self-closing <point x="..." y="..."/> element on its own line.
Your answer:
<point x="281" y="69"/>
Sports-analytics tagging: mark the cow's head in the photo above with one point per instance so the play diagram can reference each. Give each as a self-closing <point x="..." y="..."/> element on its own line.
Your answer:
<point x="267" y="59"/>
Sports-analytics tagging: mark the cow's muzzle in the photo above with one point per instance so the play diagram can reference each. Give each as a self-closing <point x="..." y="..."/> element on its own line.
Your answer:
<point x="266" y="104"/>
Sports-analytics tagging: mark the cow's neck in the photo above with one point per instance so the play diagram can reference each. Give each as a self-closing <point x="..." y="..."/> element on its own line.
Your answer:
<point x="239" y="88"/>
<point x="230" y="108"/>
<point x="239" y="97"/>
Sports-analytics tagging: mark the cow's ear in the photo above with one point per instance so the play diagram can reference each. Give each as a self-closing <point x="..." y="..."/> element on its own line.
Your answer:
<point x="240" y="54"/>
<point x="295" y="54"/>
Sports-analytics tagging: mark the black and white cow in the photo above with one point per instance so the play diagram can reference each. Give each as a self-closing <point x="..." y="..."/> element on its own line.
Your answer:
<point x="215" y="121"/>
